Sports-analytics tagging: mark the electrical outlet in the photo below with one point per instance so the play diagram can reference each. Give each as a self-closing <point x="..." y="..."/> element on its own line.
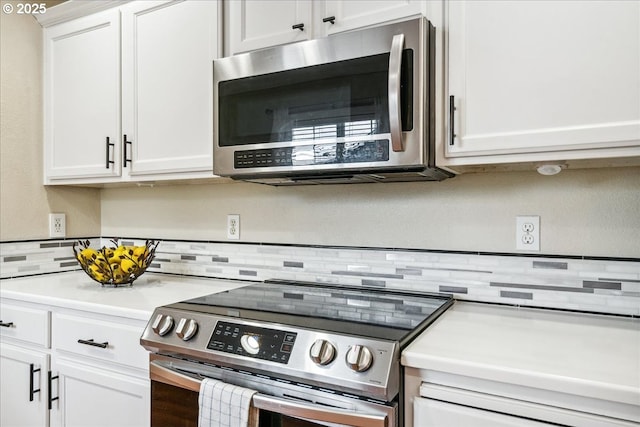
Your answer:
<point x="57" y="225"/>
<point x="528" y="233"/>
<point x="233" y="227"/>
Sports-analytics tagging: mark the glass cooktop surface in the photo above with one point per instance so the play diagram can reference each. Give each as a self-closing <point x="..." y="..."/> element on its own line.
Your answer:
<point x="368" y="312"/>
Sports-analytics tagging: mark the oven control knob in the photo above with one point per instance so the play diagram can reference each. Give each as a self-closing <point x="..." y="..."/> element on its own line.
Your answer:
<point x="250" y="343"/>
<point x="186" y="329"/>
<point x="162" y="324"/>
<point x="359" y="358"/>
<point x="322" y="352"/>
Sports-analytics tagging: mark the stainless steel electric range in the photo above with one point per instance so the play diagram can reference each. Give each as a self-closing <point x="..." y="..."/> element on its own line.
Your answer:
<point x="317" y="355"/>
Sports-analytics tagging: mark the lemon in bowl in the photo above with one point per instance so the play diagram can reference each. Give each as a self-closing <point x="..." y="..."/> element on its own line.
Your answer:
<point x="117" y="264"/>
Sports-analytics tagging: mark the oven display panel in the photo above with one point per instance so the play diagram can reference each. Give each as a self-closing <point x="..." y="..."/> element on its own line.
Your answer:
<point x="253" y="341"/>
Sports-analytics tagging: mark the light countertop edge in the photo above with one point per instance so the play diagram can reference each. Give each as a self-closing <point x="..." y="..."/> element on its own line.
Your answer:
<point x="581" y="354"/>
<point x="75" y="290"/>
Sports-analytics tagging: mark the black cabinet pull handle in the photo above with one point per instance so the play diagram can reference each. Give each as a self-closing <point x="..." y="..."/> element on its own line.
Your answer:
<point x="31" y="390"/>
<point x="331" y="19"/>
<point x="452" y="112"/>
<point x="50" y="383"/>
<point x="6" y="324"/>
<point x="108" y="155"/>
<point x="91" y="342"/>
<point x="298" y="27"/>
<point x="125" y="160"/>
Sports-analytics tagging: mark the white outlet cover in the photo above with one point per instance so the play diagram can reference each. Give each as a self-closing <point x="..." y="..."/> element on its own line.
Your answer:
<point x="233" y="227"/>
<point x="528" y="233"/>
<point x="57" y="225"/>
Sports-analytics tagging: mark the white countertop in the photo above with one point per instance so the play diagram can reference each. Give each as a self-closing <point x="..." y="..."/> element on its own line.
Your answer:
<point x="76" y="290"/>
<point x="581" y="354"/>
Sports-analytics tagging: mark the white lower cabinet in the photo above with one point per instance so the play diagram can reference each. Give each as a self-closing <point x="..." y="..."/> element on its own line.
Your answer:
<point x="464" y="401"/>
<point x="24" y="364"/>
<point x="63" y="367"/>
<point x="101" y="369"/>
<point x="429" y="412"/>
<point x="23" y="388"/>
<point x="90" y="396"/>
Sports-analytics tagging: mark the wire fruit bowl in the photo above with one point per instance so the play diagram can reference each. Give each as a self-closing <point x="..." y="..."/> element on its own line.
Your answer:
<point x="117" y="265"/>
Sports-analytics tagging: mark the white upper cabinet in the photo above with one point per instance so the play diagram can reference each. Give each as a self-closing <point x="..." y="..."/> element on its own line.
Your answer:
<point x="167" y="85"/>
<point x="256" y="24"/>
<point x="82" y="97"/>
<point x="350" y="14"/>
<point x="141" y="76"/>
<point x="538" y="81"/>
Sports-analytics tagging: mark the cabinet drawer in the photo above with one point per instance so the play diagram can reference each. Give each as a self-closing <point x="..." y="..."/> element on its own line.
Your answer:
<point x="100" y="339"/>
<point x="25" y="324"/>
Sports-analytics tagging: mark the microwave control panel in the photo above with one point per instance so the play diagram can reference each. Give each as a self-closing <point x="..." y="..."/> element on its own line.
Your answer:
<point x="376" y="150"/>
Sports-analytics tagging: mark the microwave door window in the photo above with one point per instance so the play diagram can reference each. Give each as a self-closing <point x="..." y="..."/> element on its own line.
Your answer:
<point x="328" y="101"/>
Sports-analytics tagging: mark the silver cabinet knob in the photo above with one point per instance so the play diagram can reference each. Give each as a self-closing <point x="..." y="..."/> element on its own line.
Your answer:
<point x="359" y="358"/>
<point x="186" y="329"/>
<point x="322" y="352"/>
<point x="162" y="324"/>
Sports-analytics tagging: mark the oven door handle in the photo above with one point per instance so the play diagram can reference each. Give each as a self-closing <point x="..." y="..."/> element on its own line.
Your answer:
<point x="395" y="67"/>
<point x="317" y="412"/>
<point x="276" y="404"/>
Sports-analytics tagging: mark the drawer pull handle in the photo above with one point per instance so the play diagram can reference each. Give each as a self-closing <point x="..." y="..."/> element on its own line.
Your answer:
<point x="93" y="343"/>
<point x="50" y="382"/>
<point x="31" y="390"/>
<point x="298" y="27"/>
<point x="331" y="19"/>
<point x="6" y="325"/>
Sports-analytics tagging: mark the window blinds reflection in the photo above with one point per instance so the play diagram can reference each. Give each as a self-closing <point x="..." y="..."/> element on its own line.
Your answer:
<point x="356" y="128"/>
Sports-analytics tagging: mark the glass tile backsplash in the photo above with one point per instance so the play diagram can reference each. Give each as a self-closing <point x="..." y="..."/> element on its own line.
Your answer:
<point x="575" y="283"/>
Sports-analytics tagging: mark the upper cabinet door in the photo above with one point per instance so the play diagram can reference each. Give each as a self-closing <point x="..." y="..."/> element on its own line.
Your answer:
<point x="82" y="97"/>
<point x="351" y="14"/>
<point x="168" y="50"/>
<point x="544" y="78"/>
<point x="255" y="24"/>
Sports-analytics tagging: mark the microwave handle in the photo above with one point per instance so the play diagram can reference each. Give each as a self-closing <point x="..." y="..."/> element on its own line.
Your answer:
<point x="395" y="64"/>
<point x="276" y="404"/>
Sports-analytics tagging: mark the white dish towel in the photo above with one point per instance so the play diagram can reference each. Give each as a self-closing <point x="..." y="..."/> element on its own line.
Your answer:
<point x="226" y="405"/>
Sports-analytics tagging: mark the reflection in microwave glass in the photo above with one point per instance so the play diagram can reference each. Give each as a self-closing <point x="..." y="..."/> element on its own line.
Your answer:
<point x="342" y="152"/>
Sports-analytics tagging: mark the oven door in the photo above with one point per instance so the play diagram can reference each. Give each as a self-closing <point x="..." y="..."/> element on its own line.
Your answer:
<point x="175" y="385"/>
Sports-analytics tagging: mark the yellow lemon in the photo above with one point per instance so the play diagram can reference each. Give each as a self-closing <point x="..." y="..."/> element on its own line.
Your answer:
<point x="127" y="266"/>
<point x="118" y="275"/>
<point x="140" y="254"/>
<point x="101" y="260"/>
<point x="88" y="253"/>
<point x="121" y="250"/>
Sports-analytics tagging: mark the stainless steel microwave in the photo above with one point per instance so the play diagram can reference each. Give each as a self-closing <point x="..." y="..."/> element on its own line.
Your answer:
<point x="352" y="107"/>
